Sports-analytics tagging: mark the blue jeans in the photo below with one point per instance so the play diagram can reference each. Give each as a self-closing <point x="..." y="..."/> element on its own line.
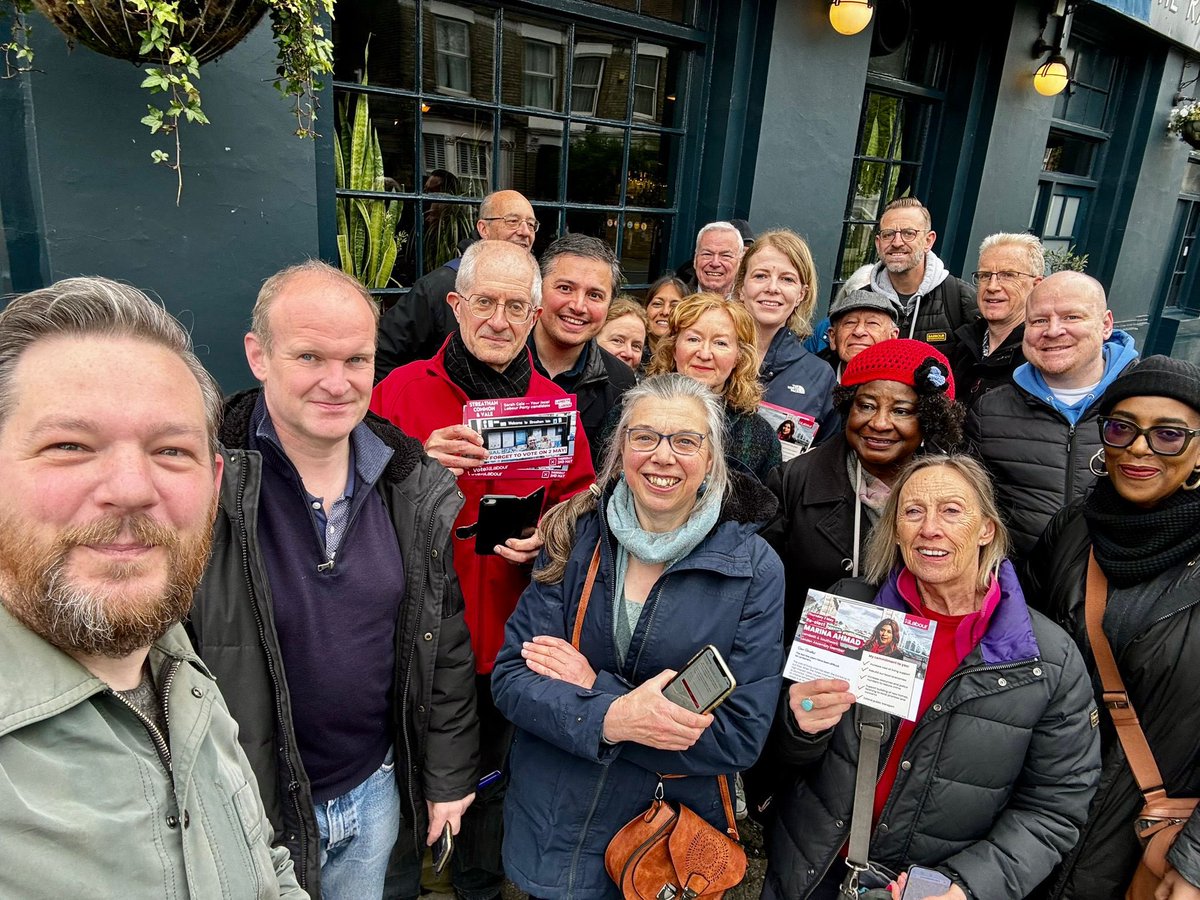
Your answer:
<point x="357" y="831"/>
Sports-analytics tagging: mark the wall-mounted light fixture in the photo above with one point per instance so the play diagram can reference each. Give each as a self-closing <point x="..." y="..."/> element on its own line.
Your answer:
<point x="850" y="16"/>
<point x="1054" y="75"/>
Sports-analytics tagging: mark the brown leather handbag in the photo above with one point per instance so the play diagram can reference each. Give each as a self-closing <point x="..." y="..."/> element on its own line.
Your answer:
<point x="670" y="854"/>
<point x="667" y="853"/>
<point x="1162" y="817"/>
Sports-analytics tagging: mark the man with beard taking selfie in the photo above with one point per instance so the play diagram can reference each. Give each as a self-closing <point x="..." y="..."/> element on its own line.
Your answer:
<point x="120" y="770"/>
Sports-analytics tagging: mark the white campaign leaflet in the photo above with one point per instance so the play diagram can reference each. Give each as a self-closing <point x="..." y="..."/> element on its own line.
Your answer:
<point x="795" y="430"/>
<point x="883" y="653"/>
<point x="524" y="437"/>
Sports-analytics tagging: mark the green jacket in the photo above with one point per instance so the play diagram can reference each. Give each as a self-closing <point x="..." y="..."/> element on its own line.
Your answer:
<point x="88" y="807"/>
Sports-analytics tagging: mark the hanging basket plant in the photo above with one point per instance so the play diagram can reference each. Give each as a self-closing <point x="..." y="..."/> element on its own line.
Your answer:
<point x="208" y="28"/>
<point x="1184" y="120"/>
<point x="172" y="38"/>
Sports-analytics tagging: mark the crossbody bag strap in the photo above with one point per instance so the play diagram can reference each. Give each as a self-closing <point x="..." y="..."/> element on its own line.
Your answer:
<point x="585" y="597"/>
<point x="1116" y="698"/>
<point x="870" y="739"/>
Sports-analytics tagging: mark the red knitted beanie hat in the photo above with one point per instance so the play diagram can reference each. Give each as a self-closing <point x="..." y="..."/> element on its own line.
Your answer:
<point x="915" y="363"/>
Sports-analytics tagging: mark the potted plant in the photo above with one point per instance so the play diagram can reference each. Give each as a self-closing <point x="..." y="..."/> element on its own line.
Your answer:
<point x="1184" y="120"/>
<point x="369" y="236"/>
<point x="174" y="38"/>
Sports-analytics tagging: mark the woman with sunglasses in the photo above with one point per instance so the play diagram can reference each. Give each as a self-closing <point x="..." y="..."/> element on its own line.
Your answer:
<point x="1142" y="522"/>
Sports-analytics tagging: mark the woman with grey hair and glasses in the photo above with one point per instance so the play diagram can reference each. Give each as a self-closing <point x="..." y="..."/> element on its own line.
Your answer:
<point x="672" y="534"/>
<point x="990" y="784"/>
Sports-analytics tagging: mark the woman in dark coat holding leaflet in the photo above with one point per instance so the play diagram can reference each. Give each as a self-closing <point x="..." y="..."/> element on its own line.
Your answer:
<point x="991" y="784"/>
<point x="680" y="566"/>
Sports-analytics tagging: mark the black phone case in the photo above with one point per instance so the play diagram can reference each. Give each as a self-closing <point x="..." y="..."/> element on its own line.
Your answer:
<point x="502" y="516"/>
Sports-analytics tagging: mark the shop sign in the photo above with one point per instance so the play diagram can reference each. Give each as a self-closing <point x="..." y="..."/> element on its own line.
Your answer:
<point x="1178" y="20"/>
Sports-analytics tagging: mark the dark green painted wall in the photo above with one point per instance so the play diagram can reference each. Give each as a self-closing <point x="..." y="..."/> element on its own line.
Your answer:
<point x="101" y="207"/>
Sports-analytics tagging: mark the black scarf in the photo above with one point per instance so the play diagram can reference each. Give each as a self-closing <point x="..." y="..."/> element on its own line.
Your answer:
<point x="1132" y="544"/>
<point x="478" y="380"/>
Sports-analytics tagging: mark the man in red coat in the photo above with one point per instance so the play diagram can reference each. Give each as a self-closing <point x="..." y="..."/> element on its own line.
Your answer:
<point x="496" y="301"/>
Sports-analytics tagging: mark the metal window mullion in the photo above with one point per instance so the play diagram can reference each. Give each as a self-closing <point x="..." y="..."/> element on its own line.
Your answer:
<point x="418" y="132"/>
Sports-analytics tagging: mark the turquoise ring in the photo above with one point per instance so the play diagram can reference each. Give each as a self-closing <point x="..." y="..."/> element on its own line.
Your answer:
<point x="806" y="704"/>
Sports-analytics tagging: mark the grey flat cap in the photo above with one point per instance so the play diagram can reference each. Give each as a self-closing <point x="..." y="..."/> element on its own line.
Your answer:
<point x="863" y="300"/>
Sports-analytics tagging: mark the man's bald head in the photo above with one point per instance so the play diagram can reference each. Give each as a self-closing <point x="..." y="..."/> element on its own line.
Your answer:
<point x="1067" y="321"/>
<point x="507" y="216"/>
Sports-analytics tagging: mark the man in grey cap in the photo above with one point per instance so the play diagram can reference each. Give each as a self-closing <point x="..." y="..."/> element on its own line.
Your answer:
<point x="857" y="320"/>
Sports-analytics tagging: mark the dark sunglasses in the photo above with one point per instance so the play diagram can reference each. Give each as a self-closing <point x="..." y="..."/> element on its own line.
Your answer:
<point x="1165" y="440"/>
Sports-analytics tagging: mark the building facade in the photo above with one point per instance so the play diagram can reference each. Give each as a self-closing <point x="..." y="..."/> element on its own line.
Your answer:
<point x="636" y="121"/>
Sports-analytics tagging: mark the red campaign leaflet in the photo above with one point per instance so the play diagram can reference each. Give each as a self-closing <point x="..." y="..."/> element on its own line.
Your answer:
<point x="883" y="653"/>
<point x="796" y="430"/>
<point x="524" y="437"/>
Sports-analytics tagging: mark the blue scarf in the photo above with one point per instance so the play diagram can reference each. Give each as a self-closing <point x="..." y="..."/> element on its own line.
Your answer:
<point x="655" y="546"/>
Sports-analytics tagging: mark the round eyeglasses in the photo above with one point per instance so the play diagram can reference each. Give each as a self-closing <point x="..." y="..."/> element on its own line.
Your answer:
<point x="1164" y="440"/>
<point x="682" y="443"/>
<point x="517" y="312"/>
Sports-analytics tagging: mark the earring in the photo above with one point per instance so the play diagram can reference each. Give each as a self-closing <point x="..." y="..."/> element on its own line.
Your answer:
<point x="703" y="487"/>
<point x="1193" y="481"/>
<point x="1098" y="460"/>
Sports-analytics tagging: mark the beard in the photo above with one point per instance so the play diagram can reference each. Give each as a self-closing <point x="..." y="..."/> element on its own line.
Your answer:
<point x="910" y="262"/>
<point x="117" y="616"/>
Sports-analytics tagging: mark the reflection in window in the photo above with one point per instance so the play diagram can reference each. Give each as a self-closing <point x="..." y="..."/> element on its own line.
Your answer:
<point x="585" y="84"/>
<point x="472" y="158"/>
<point x="601" y="158"/>
<point x="645" y="87"/>
<point x="540" y="89"/>
<point x="891" y="144"/>
<point x="453" y="56"/>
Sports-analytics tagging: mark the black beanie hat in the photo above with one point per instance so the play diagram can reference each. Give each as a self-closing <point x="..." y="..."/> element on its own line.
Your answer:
<point x="1155" y="376"/>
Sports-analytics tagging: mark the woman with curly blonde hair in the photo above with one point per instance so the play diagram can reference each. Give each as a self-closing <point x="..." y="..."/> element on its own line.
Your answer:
<point x="713" y="341"/>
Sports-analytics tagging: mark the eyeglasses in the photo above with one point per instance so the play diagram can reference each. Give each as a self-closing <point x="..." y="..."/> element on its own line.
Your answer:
<point x="908" y="235"/>
<point x="646" y="440"/>
<point x="517" y="312"/>
<point x="1165" y="440"/>
<point x="1006" y="277"/>
<point x="514" y="222"/>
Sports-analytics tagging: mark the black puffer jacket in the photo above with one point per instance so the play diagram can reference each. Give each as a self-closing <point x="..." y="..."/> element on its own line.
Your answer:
<point x="976" y="374"/>
<point x="231" y="624"/>
<point x="995" y="779"/>
<point x="1161" y="669"/>
<point x="1038" y="460"/>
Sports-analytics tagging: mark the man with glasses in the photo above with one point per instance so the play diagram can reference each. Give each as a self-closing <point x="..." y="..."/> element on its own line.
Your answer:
<point x="934" y="304"/>
<point x="580" y="277"/>
<point x="496" y="301"/>
<point x="419" y="321"/>
<point x="989" y="349"/>
<point x="1037" y="434"/>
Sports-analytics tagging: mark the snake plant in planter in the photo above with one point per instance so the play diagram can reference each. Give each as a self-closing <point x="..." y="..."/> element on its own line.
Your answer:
<point x="369" y="236"/>
<point x="173" y="38"/>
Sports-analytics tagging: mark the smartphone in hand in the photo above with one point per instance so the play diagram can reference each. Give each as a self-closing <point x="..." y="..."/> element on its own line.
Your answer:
<point x="923" y="883"/>
<point x="703" y="683"/>
<point x="443" y="848"/>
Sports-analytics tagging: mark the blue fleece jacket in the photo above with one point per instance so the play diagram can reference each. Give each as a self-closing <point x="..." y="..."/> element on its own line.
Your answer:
<point x="1119" y="351"/>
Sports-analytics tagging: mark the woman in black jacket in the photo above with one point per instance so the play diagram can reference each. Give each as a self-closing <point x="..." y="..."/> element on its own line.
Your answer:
<point x="894" y="397"/>
<point x="991" y="782"/>
<point x="1142" y="522"/>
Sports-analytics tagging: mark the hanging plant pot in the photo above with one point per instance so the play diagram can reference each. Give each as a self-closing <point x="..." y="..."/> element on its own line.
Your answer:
<point x="1190" y="133"/>
<point x="208" y="27"/>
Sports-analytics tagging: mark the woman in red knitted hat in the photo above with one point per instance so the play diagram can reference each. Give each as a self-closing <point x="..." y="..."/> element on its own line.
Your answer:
<point x="895" y="397"/>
